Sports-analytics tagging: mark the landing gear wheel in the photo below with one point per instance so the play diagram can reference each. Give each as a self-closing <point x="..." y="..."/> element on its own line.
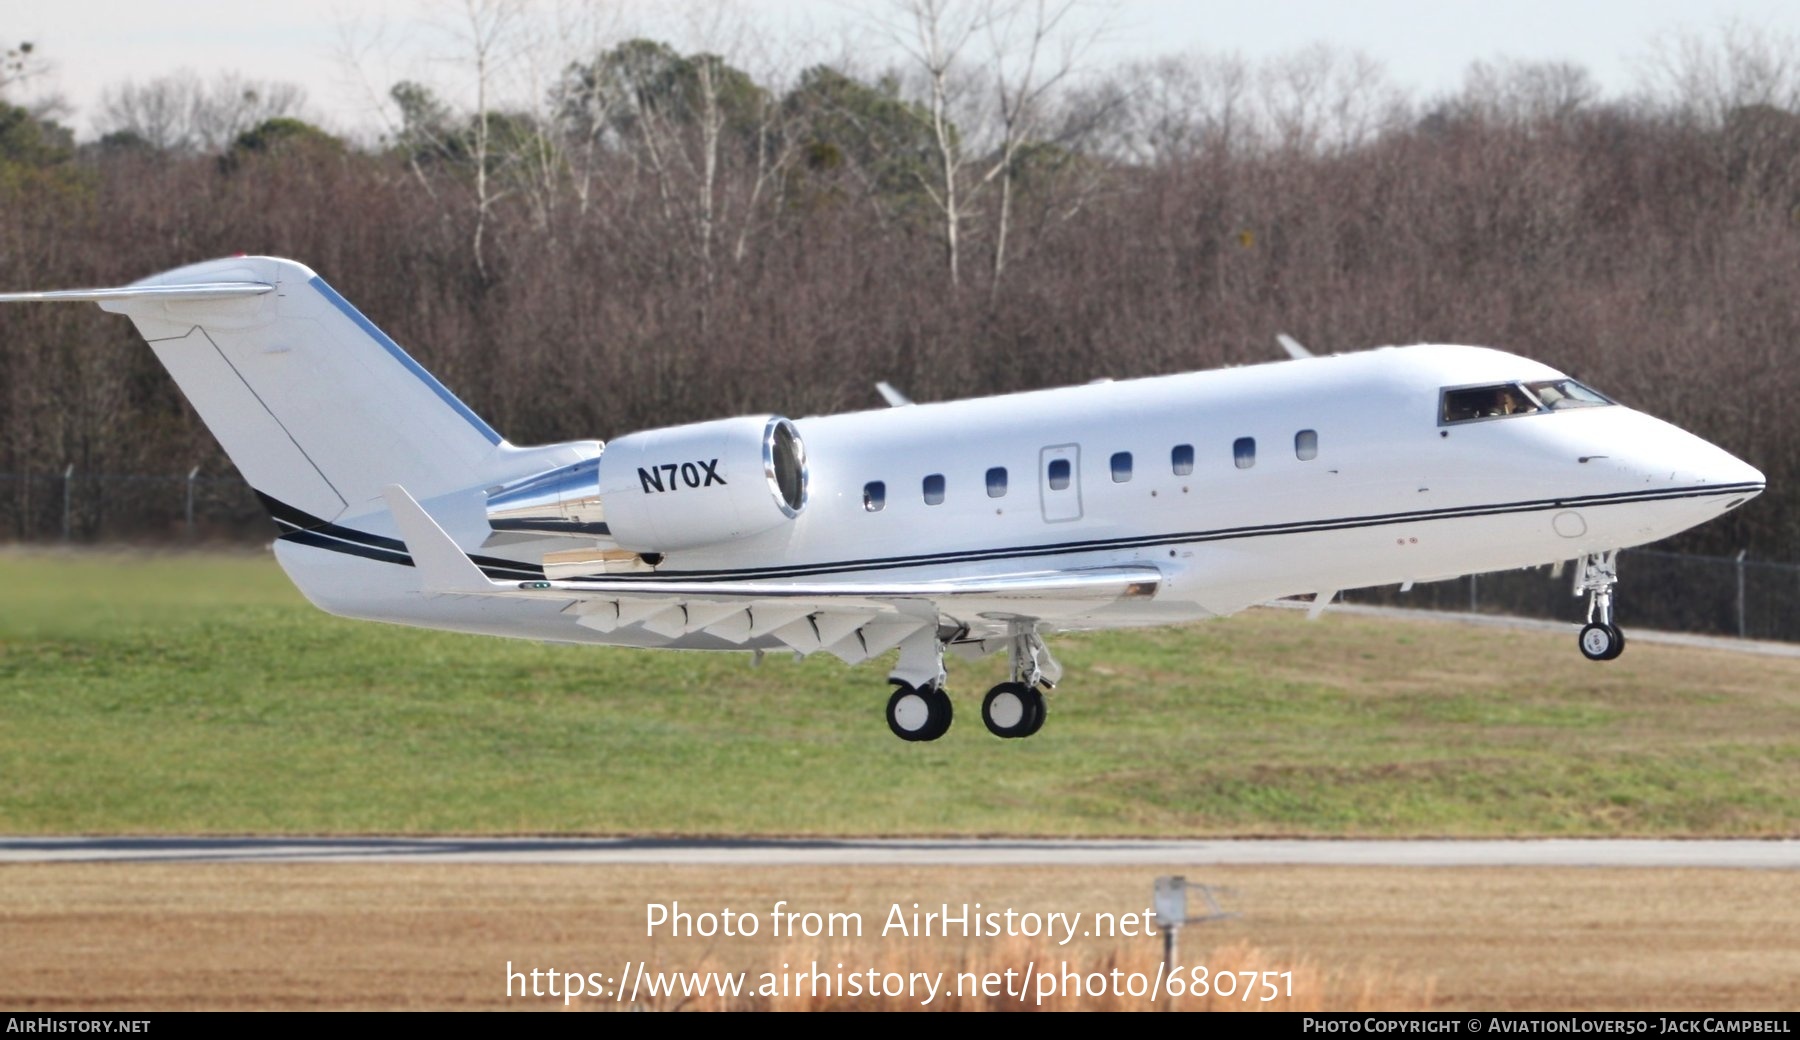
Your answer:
<point x="919" y="714"/>
<point x="1601" y="642"/>
<point x="1013" y="710"/>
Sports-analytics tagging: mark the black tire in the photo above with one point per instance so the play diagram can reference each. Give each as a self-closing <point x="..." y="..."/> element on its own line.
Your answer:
<point x="1600" y="642"/>
<point x="1037" y="719"/>
<point x="1011" y="710"/>
<point x="942" y="713"/>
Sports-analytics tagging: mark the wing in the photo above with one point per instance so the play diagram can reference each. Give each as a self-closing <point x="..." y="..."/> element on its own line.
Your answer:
<point x="851" y="620"/>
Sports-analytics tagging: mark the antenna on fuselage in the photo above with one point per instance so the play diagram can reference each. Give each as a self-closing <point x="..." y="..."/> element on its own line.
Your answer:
<point x="893" y="397"/>
<point x="1292" y="346"/>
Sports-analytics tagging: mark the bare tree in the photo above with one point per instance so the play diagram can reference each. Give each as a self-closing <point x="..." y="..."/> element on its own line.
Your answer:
<point x="986" y="104"/>
<point x="156" y="112"/>
<point x="1321" y="99"/>
<point x="934" y="34"/>
<point x="1707" y="79"/>
<point x="182" y="113"/>
<point x="1032" y="54"/>
<point x="1173" y="108"/>
<point x="707" y="143"/>
<point x="1744" y="87"/>
<point x="1526" y="92"/>
<point x="232" y="104"/>
<point x="488" y="30"/>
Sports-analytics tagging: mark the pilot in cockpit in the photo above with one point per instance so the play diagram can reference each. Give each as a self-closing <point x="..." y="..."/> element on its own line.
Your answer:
<point x="1507" y="400"/>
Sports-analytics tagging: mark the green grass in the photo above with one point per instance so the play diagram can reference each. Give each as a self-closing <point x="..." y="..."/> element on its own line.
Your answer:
<point x="199" y="693"/>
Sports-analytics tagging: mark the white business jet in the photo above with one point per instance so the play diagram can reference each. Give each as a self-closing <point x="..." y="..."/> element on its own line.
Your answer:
<point x="972" y="526"/>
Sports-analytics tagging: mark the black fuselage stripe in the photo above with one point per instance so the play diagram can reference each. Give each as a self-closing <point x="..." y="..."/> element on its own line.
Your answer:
<point x="356" y="543"/>
<point x="1176" y="538"/>
<point x="318" y="541"/>
<point x="327" y="535"/>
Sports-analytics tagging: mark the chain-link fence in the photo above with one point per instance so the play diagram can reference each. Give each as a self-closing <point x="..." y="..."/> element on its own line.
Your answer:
<point x="1713" y="594"/>
<point x="88" y="507"/>
<point x="1722" y="595"/>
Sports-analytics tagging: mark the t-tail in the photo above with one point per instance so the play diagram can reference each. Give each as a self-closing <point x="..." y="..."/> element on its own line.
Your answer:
<point x="318" y="409"/>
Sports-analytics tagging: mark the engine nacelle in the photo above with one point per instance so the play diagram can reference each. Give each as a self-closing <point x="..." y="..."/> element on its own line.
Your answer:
<point x="661" y="490"/>
<point x="703" y="484"/>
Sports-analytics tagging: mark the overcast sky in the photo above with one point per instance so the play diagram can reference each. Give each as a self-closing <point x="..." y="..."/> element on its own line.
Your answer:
<point x="1425" y="44"/>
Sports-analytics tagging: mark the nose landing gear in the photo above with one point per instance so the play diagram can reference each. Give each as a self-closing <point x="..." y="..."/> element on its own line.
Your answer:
<point x="1600" y="639"/>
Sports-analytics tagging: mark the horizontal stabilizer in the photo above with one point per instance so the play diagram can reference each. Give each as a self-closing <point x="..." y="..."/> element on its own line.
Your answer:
<point x="442" y="565"/>
<point x="196" y="291"/>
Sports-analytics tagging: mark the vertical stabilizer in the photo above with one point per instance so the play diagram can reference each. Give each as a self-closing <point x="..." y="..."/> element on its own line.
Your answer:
<point x="317" y="407"/>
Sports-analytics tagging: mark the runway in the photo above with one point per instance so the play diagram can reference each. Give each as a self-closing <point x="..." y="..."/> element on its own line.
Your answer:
<point x="1778" y="854"/>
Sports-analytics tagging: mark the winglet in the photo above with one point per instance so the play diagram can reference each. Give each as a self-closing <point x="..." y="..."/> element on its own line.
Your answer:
<point x="1292" y="346"/>
<point x="893" y="397"/>
<point x="443" y="566"/>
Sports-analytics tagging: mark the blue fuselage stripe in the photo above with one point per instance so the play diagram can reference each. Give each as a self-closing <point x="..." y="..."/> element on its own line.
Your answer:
<point x="406" y="361"/>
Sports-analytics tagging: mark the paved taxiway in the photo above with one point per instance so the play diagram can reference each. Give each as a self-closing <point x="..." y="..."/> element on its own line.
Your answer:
<point x="1783" y="854"/>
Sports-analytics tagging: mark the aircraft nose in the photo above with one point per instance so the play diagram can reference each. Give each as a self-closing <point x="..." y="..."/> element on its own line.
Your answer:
<point x="1725" y="470"/>
<point x="1661" y="453"/>
<point x="1704" y="462"/>
<point x="1736" y="471"/>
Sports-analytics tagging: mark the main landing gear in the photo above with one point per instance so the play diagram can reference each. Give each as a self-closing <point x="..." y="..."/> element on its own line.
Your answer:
<point x="919" y="709"/>
<point x="1600" y="639"/>
<point x="1016" y="708"/>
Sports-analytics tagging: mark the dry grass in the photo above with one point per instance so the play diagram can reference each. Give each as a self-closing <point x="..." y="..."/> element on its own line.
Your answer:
<point x="186" y="936"/>
<point x="1019" y="975"/>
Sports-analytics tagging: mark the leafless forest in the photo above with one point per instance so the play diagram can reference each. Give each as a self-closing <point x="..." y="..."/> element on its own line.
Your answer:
<point x="658" y="236"/>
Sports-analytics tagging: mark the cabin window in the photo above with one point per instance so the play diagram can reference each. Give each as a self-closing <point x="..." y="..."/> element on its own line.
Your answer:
<point x="996" y="482"/>
<point x="1243" y="452"/>
<point x="1486" y="402"/>
<point x="1121" y="466"/>
<point x="934" y="490"/>
<point x="874" y="496"/>
<point x="1058" y="474"/>
<point x="1181" y="459"/>
<point x="1306" y="445"/>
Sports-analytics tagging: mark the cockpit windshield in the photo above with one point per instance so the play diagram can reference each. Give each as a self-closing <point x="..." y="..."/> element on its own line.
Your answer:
<point x="1501" y="400"/>
<point x="1557" y="394"/>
